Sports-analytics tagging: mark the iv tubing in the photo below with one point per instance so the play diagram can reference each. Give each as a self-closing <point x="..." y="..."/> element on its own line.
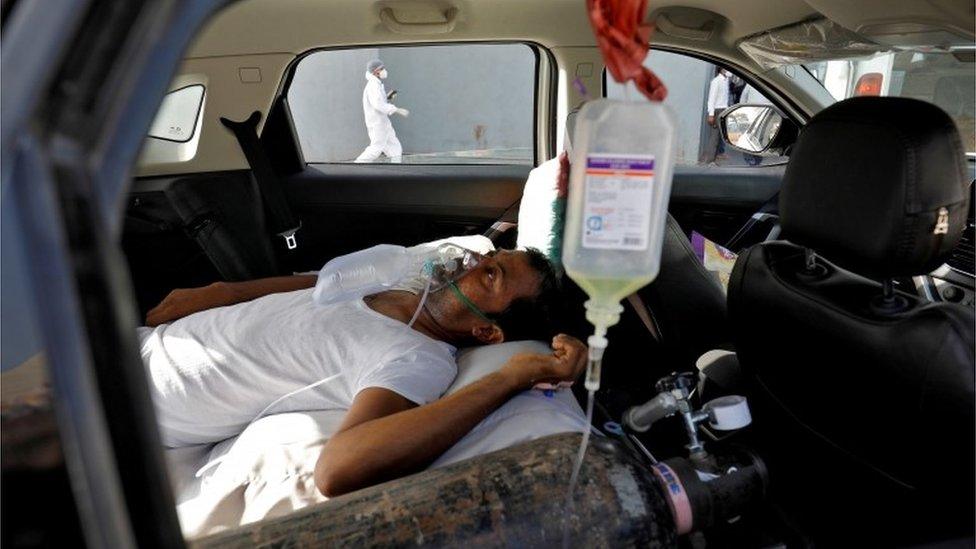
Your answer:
<point x="597" y="344"/>
<point x="577" y="465"/>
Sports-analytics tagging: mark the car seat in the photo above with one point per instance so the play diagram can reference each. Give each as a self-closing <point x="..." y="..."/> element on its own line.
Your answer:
<point x="863" y="395"/>
<point x="664" y="327"/>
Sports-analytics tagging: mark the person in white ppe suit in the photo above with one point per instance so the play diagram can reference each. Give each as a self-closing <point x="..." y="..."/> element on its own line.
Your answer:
<point x="376" y="111"/>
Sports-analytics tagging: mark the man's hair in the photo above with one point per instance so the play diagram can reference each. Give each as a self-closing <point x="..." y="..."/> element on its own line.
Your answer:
<point x="532" y="317"/>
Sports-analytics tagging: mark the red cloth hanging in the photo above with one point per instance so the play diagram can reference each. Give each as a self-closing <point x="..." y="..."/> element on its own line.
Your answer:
<point x="624" y="40"/>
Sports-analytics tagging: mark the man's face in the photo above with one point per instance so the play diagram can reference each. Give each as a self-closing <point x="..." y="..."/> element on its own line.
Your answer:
<point x="492" y="286"/>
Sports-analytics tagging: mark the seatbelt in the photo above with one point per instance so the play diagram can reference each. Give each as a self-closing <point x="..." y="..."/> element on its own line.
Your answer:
<point x="225" y="229"/>
<point x="644" y="313"/>
<point x="764" y="214"/>
<point x="508" y="221"/>
<point x="280" y="219"/>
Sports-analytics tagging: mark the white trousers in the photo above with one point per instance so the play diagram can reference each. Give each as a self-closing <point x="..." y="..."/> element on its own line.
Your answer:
<point x="390" y="147"/>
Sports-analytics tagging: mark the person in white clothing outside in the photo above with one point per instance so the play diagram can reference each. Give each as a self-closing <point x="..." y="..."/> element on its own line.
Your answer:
<point x="718" y="101"/>
<point x="377" y="110"/>
<point x="221" y="356"/>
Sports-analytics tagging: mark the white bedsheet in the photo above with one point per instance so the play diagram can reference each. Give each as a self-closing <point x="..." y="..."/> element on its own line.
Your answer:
<point x="267" y="471"/>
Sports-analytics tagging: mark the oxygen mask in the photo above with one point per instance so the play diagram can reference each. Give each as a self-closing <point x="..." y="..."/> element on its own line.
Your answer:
<point x="389" y="267"/>
<point x="443" y="269"/>
<point x="448" y="265"/>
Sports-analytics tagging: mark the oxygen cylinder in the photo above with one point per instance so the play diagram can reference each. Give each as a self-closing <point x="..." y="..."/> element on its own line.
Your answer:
<point x="516" y="498"/>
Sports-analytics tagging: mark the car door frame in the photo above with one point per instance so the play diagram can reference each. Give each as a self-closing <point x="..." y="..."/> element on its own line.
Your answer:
<point x="89" y="86"/>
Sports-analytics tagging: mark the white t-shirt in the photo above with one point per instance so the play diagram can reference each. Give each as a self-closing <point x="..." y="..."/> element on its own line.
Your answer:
<point x="214" y="372"/>
<point x="718" y="94"/>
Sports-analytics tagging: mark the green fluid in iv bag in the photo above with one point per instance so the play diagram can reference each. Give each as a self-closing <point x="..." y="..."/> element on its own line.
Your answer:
<point x="608" y="290"/>
<point x="619" y="185"/>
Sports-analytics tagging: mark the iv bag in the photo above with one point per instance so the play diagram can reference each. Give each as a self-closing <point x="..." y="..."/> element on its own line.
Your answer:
<point x="620" y="182"/>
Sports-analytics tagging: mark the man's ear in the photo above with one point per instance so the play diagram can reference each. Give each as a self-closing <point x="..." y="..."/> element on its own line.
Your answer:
<point x="488" y="334"/>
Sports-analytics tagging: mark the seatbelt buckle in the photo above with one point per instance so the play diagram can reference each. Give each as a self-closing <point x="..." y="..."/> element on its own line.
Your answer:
<point x="290" y="242"/>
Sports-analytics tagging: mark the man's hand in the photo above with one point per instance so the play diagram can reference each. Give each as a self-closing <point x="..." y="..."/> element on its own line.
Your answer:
<point x="566" y="363"/>
<point x="711" y="120"/>
<point x="184" y="302"/>
<point x="403" y="112"/>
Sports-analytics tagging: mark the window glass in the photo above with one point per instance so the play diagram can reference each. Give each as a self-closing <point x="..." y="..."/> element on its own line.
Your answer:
<point x="176" y="119"/>
<point x="459" y="104"/>
<point x="696" y="94"/>
<point x="937" y="77"/>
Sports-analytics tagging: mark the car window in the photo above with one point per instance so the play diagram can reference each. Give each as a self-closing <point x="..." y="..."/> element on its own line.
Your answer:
<point x="177" y="117"/>
<point x="695" y="87"/>
<point x="937" y="77"/>
<point x="456" y="104"/>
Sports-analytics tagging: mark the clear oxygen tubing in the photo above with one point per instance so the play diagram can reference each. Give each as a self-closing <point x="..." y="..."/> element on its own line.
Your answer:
<point x="423" y="300"/>
<point x="291" y="394"/>
<point x="577" y="465"/>
<point x="416" y="315"/>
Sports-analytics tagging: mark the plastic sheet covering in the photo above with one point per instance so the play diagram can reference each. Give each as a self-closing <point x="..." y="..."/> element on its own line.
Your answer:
<point x="807" y="42"/>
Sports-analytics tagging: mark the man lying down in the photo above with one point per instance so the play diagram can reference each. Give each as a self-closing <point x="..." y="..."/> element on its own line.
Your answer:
<point x="255" y="348"/>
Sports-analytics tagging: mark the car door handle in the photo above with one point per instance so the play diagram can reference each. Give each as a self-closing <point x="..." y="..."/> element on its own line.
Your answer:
<point x="389" y="19"/>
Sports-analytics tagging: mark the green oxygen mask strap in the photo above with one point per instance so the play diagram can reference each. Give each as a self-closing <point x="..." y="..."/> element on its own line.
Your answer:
<point x="467" y="303"/>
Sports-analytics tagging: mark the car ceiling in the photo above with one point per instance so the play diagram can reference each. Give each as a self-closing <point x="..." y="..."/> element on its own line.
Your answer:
<point x="295" y="26"/>
<point x="269" y="35"/>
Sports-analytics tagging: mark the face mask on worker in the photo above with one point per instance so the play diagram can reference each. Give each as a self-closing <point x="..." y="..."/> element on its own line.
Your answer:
<point x="383" y="74"/>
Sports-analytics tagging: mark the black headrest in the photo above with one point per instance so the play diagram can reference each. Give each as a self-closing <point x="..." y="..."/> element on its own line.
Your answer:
<point x="867" y="180"/>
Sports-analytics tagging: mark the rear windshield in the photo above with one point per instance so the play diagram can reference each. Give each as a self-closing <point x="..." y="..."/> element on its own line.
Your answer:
<point x="945" y="79"/>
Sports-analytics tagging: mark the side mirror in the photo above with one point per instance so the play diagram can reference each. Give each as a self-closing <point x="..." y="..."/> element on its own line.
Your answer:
<point x="757" y="129"/>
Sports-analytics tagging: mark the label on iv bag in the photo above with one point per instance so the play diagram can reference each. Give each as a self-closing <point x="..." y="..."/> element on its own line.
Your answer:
<point x="617" y="201"/>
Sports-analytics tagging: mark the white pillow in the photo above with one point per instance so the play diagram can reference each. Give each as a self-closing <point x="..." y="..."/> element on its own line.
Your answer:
<point x="526" y="416"/>
<point x="542" y="211"/>
<point x="268" y="470"/>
